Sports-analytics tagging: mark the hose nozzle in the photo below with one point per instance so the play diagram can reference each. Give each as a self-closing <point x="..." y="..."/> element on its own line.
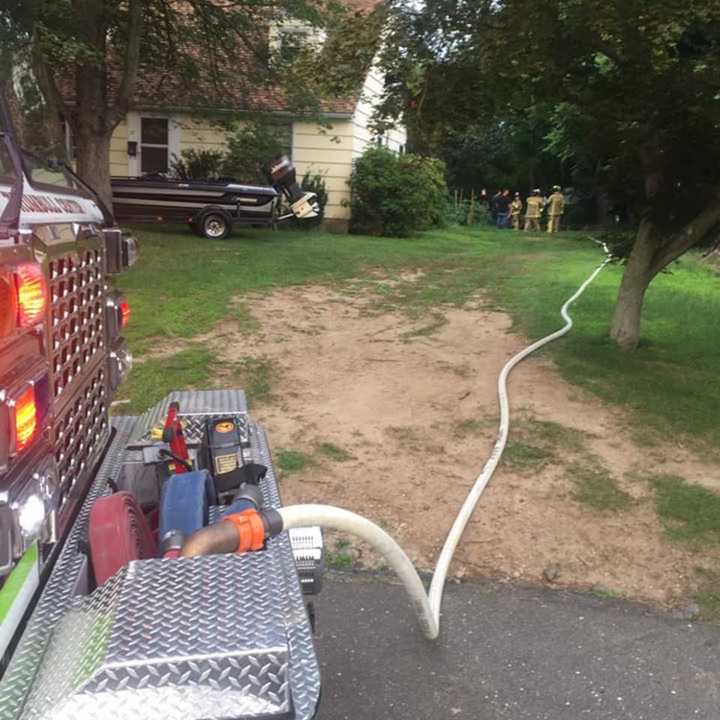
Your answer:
<point x="241" y="532"/>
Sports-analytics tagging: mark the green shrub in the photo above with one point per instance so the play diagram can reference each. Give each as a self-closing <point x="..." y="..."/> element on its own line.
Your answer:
<point x="314" y="182"/>
<point x="465" y="211"/>
<point x="396" y="195"/>
<point x="198" y="164"/>
<point x="251" y="149"/>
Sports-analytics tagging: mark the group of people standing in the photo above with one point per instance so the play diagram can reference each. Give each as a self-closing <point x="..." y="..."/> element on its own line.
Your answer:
<point x="506" y="211"/>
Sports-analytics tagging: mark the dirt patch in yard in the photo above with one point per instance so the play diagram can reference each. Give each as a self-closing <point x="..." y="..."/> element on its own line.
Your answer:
<point x="395" y="417"/>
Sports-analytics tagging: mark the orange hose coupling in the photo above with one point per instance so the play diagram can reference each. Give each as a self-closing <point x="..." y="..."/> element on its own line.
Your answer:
<point x="251" y="530"/>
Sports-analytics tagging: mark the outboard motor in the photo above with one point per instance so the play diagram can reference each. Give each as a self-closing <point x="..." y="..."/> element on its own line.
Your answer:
<point x="304" y="205"/>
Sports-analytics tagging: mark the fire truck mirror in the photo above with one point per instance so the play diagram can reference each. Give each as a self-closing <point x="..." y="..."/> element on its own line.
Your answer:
<point x="121" y="250"/>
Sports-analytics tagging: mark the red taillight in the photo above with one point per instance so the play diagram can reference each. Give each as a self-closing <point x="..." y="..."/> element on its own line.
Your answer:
<point x="31" y="294"/>
<point x="124" y="313"/>
<point x="8" y="305"/>
<point x="25" y="419"/>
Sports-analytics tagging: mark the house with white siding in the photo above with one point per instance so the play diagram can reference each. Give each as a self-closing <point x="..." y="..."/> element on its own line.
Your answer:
<point x="153" y="134"/>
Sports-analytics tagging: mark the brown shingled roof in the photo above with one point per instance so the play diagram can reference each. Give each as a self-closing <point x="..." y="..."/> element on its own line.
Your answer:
<point x="166" y="89"/>
<point x="363" y="5"/>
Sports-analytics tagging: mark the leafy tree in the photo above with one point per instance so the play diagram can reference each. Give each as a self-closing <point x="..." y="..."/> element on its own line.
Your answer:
<point x="502" y="154"/>
<point x="90" y="58"/>
<point x="630" y="90"/>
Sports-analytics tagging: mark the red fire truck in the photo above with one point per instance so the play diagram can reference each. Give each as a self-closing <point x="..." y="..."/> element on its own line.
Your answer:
<point x="99" y="616"/>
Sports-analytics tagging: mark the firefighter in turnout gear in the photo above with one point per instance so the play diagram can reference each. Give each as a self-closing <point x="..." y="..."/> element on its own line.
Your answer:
<point x="533" y="211"/>
<point x="516" y="208"/>
<point x="556" y="205"/>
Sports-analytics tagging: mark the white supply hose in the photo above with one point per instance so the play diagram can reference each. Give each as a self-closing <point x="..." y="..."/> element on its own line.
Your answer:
<point x="427" y="607"/>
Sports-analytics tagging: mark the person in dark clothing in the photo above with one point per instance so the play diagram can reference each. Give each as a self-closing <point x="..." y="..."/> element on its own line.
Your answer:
<point x="494" y="207"/>
<point x="502" y="208"/>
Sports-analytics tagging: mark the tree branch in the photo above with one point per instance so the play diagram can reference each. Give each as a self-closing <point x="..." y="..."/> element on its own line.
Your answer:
<point x="51" y="94"/>
<point x="691" y="235"/>
<point x="132" y="61"/>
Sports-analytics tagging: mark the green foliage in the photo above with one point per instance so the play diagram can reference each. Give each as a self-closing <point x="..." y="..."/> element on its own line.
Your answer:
<point x="109" y="56"/>
<point x="341" y="560"/>
<point x="619" y="242"/>
<point x="256" y="375"/>
<point x="520" y="455"/>
<point x="334" y="452"/>
<point x="463" y="210"/>
<point x="620" y="98"/>
<point x="396" y="195"/>
<point x="708" y="596"/>
<point x="337" y="67"/>
<point x="598" y="86"/>
<point x="290" y="461"/>
<point x="315" y="182"/>
<point x="198" y="164"/>
<point x="251" y="147"/>
<point x="691" y="512"/>
<point x="596" y="488"/>
<point x="153" y="378"/>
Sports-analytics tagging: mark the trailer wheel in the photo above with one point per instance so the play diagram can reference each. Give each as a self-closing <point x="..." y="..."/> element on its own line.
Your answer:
<point x="215" y="225"/>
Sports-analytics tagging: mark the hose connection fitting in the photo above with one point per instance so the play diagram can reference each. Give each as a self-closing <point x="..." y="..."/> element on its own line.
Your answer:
<point x="241" y="532"/>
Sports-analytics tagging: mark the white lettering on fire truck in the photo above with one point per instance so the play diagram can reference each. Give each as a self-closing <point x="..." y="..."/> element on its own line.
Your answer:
<point x="47" y="204"/>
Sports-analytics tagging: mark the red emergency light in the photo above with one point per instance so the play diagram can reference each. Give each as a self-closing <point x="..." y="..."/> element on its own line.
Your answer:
<point x="124" y="313"/>
<point x="26" y="419"/>
<point x="31" y="293"/>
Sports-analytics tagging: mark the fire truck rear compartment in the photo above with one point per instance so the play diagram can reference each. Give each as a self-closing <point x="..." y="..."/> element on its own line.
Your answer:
<point x="220" y="636"/>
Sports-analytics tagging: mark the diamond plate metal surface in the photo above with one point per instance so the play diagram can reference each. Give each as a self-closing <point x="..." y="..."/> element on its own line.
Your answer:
<point x="171" y="639"/>
<point x="59" y="589"/>
<point x="194" y="428"/>
<point x="192" y="402"/>
<point x="211" y="637"/>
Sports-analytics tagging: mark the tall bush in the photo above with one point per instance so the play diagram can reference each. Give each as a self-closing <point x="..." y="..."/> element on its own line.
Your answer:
<point x="396" y="195"/>
<point x="198" y="164"/>
<point x="315" y="182"/>
<point x="251" y="149"/>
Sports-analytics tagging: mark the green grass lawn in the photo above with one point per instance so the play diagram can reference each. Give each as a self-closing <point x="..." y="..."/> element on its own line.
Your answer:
<point x="183" y="285"/>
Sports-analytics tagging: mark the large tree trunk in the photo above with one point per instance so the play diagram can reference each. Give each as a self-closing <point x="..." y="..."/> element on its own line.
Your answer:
<point x="649" y="256"/>
<point x="625" y="328"/>
<point x="93" y="163"/>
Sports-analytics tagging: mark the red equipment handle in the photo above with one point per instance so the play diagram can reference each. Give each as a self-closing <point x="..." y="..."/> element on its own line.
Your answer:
<point x="174" y="436"/>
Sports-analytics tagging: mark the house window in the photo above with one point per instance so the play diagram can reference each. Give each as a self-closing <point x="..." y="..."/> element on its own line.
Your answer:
<point x="154" y="153"/>
<point x="292" y="42"/>
<point x="287" y="39"/>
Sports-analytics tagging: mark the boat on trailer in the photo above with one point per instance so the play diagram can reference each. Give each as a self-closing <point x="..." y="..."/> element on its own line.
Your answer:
<point x="211" y="207"/>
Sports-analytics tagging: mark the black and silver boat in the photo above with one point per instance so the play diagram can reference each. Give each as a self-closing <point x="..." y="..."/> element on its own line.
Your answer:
<point x="211" y="208"/>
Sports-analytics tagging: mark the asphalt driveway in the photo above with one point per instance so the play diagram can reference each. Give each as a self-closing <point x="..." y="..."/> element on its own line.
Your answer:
<point x="513" y="653"/>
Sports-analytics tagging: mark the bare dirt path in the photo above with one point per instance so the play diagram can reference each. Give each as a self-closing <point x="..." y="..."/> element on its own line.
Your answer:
<point x="397" y="417"/>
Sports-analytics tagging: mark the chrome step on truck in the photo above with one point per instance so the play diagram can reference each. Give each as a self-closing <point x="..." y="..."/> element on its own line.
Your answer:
<point x="101" y="614"/>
